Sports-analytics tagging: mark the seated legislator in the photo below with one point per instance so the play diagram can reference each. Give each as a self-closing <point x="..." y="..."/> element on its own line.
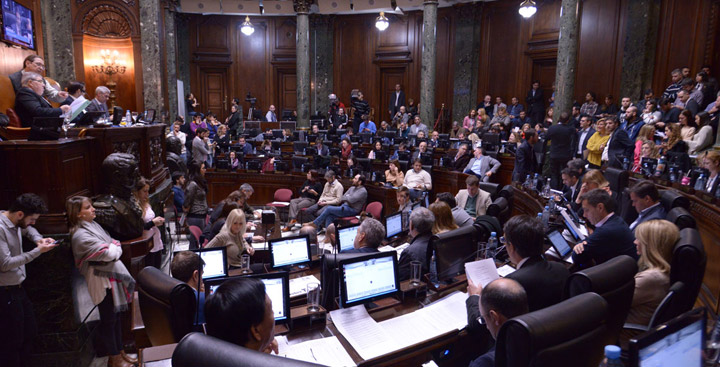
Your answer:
<point x="443" y="217"/>
<point x="461" y="158"/>
<point x="421" y="224"/>
<point x="474" y="200"/>
<point x="402" y="195"/>
<point x="35" y="64"/>
<point x="422" y="148"/>
<point x="99" y="103"/>
<point x="247" y="148"/>
<point x="309" y="194"/>
<point x="322" y="149"/>
<point x="240" y="312"/>
<point x="369" y="237"/>
<point x="612" y="236"/>
<point x="351" y="203"/>
<point x="525" y="160"/>
<point x="232" y="236"/>
<point x="417" y="180"/>
<point x="572" y="184"/>
<point x="646" y="201"/>
<point x="481" y="165"/>
<point x="460" y="216"/>
<point x="393" y="175"/>
<point x="501" y="300"/>
<point x="30" y="103"/>
<point x="75" y="90"/>
<point x="655" y="240"/>
<point x="331" y="195"/>
<point x="186" y="266"/>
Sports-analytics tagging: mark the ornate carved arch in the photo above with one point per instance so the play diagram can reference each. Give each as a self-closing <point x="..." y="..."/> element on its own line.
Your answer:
<point x="109" y="19"/>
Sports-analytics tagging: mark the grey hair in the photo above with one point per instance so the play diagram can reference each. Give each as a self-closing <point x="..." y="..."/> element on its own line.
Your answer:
<point x="329" y="174"/>
<point x="374" y="232"/>
<point x="422" y="220"/>
<point x="102" y="89"/>
<point x="27" y="77"/>
<point x="247" y="187"/>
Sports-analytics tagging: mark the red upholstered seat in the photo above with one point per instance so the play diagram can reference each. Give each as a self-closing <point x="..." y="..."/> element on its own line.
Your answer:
<point x="284" y="195"/>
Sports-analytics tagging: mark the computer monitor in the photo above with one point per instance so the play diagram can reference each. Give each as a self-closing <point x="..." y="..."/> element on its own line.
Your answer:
<point x="571" y="226"/>
<point x="452" y="250"/>
<point x="288" y="125"/>
<point x="365" y="164"/>
<point x="648" y="165"/>
<point x="393" y="224"/>
<point x="380" y="155"/>
<point x="215" y="262"/>
<point x="367" y="278"/>
<point x="680" y="342"/>
<point x="289" y="251"/>
<point x="277" y="133"/>
<point x="426" y="158"/>
<point x="346" y="236"/>
<point x="403" y="156"/>
<point x="277" y="287"/>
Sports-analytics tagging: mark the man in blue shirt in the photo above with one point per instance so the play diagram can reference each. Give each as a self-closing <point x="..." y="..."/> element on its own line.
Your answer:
<point x="367" y="126"/>
<point x="247" y="148"/>
<point x="187" y="267"/>
<point x="178" y="180"/>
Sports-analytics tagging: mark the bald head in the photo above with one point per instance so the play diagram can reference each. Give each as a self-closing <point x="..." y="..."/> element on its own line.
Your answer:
<point x="501" y="300"/>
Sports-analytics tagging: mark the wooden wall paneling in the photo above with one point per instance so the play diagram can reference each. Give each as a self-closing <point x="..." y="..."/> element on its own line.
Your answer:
<point x="251" y="60"/>
<point x="353" y="59"/>
<point x="282" y="88"/>
<point x="11" y="57"/>
<point x="213" y="86"/>
<point x="286" y="95"/>
<point x="392" y="56"/>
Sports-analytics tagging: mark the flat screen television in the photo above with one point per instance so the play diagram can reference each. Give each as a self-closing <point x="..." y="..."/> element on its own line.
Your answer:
<point x="17" y="25"/>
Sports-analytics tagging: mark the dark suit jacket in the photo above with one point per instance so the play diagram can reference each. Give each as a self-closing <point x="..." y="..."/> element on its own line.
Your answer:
<point x="361" y="250"/>
<point x="544" y="281"/>
<point x="16" y="80"/>
<point x="535" y="103"/>
<point x="567" y="192"/>
<point x="68" y="101"/>
<point x="96" y="106"/>
<point x="620" y="146"/>
<point x="577" y="141"/>
<point x="692" y="106"/>
<point x="29" y="104"/>
<point x="657" y="212"/>
<point x="612" y="239"/>
<point x="417" y="251"/>
<point x="460" y="163"/>
<point x="394" y="108"/>
<point x="561" y="137"/>
<point x="234" y="122"/>
<point x="672" y="115"/>
<point x="525" y="162"/>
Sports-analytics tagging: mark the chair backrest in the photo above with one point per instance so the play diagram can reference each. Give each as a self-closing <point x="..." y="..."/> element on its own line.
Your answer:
<point x="671" y="199"/>
<point x="375" y="209"/>
<point x="283" y="195"/>
<point x="625" y="208"/>
<point x="670" y="306"/>
<point x="570" y="333"/>
<point x="491" y="188"/>
<point x="499" y="209"/>
<point x="167" y="306"/>
<point x="196" y="233"/>
<point x="681" y="217"/>
<point x="688" y="266"/>
<point x="507" y="192"/>
<point x="7" y="94"/>
<point x="617" y="178"/>
<point x="197" y="349"/>
<point x="614" y="280"/>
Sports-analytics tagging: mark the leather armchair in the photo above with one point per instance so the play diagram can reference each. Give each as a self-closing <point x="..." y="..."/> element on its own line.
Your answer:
<point x="671" y="199"/>
<point x="614" y="280"/>
<point x="617" y="178"/>
<point x="688" y="267"/>
<point x="197" y="349"/>
<point x="570" y="333"/>
<point x="681" y="217"/>
<point x="507" y="192"/>
<point x="500" y="209"/>
<point x="491" y="188"/>
<point x="167" y="306"/>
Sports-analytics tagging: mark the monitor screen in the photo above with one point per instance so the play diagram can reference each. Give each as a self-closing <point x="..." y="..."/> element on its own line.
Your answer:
<point x="277" y="287"/>
<point x="393" y="224"/>
<point x="680" y="342"/>
<point x="346" y="237"/>
<point x="367" y="278"/>
<point x="215" y="262"/>
<point x="559" y="243"/>
<point x="290" y="251"/>
<point x="570" y="224"/>
<point x="18" y="27"/>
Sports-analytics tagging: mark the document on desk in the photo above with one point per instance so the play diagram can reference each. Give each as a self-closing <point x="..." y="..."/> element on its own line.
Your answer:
<point x="449" y="313"/>
<point x="298" y="286"/>
<point x="362" y="332"/>
<point x="481" y="272"/>
<point x="325" y="351"/>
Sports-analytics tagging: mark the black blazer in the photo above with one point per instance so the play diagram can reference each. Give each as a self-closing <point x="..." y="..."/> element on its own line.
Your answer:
<point x="535" y="103"/>
<point x="612" y="239"/>
<point x="525" y="162"/>
<point x="567" y="192"/>
<point x="577" y="141"/>
<point x="561" y="136"/>
<point x="394" y="108"/>
<point x="29" y="104"/>
<point x="544" y="281"/>
<point x="16" y="79"/>
<point x="621" y="147"/>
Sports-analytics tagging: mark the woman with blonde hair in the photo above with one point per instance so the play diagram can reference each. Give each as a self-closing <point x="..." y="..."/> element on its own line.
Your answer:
<point x="482" y="115"/>
<point x="648" y="150"/>
<point x="655" y="241"/>
<point x="593" y="179"/>
<point x="111" y="287"/>
<point x="443" y="217"/>
<point x="232" y="236"/>
<point x="596" y="143"/>
<point x="501" y="117"/>
<point x="646" y="133"/>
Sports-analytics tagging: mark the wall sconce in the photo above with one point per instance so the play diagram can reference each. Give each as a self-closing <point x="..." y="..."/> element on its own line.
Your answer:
<point x="247" y="27"/>
<point x="382" y="22"/>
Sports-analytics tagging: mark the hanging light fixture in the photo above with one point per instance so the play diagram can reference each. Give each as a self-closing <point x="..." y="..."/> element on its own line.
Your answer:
<point x="527" y="8"/>
<point x="247" y="27"/>
<point x="382" y="22"/>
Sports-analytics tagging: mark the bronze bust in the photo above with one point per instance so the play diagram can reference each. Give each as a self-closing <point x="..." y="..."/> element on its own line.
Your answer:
<point x="175" y="163"/>
<point x="115" y="210"/>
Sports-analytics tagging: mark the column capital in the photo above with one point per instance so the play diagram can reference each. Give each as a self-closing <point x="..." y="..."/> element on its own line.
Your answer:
<point x="430" y="2"/>
<point x="302" y="6"/>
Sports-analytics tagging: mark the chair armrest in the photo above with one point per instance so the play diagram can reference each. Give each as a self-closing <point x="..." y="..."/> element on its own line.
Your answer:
<point x="635" y="327"/>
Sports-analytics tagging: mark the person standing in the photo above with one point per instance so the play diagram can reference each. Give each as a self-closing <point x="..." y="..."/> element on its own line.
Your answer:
<point x="397" y="99"/>
<point x="17" y="320"/>
<point x="536" y="104"/>
<point x="560" y="136"/>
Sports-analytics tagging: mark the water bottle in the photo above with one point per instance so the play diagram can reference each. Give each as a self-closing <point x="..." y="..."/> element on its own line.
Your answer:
<point x="536" y="182"/>
<point x="700" y="183"/>
<point x="545" y="217"/>
<point x="546" y="189"/>
<point x="528" y="182"/>
<point x="128" y="118"/>
<point x="491" y="246"/>
<point x="612" y="357"/>
<point x="673" y="174"/>
<point x="626" y="164"/>
<point x="660" y="169"/>
<point x="254" y="150"/>
<point x="713" y="346"/>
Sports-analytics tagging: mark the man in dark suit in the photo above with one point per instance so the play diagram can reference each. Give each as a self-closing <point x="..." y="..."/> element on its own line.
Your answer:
<point x="461" y="158"/>
<point x="75" y="90"/>
<point x="369" y="236"/>
<point x="99" y="103"/>
<point x="582" y="136"/>
<point x="397" y="99"/>
<point x="572" y="181"/>
<point x="525" y="160"/>
<point x="29" y="102"/>
<point x="421" y="223"/>
<point x="669" y="113"/>
<point x="35" y="64"/>
<point x="646" y="201"/>
<point x="612" y="236"/>
<point x="619" y="146"/>
<point x="536" y="103"/>
<point x="561" y="137"/>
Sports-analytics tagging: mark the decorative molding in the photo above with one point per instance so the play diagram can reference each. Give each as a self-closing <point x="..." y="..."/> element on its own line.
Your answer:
<point x="302" y="6"/>
<point x="129" y="147"/>
<point x="156" y="152"/>
<point x="106" y="21"/>
<point x="710" y="42"/>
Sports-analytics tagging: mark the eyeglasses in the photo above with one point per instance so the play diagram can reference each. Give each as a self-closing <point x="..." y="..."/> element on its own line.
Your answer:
<point x="39" y="65"/>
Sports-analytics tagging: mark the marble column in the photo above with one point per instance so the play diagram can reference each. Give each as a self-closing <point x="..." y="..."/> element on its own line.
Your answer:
<point x="152" y="71"/>
<point x="566" y="57"/>
<point x="639" y="51"/>
<point x="302" y="61"/>
<point x="321" y="62"/>
<point x="429" y="62"/>
<point x="467" y="54"/>
<point x="171" y="58"/>
<point x="183" y="51"/>
<point x="58" y="44"/>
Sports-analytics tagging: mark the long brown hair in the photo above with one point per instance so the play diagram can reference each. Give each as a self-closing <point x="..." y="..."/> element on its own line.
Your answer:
<point x="73" y="206"/>
<point x="676" y="135"/>
<point x="443" y="217"/>
<point x="143" y="203"/>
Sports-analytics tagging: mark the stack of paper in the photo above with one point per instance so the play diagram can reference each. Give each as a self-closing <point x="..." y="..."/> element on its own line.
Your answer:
<point x="481" y="272"/>
<point x="298" y="286"/>
<point x="362" y="332"/>
<point x="326" y="351"/>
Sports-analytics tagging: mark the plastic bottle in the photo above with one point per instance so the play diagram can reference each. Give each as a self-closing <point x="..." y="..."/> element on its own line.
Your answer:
<point x="546" y="217"/>
<point x="660" y="169"/>
<point x="128" y="118"/>
<point x="626" y="164"/>
<point x="491" y="246"/>
<point x="700" y="183"/>
<point x="612" y="357"/>
<point x="536" y="182"/>
<point x="713" y="343"/>
<point x="546" y="189"/>
<point x="673" y="174"/>
<point x="528" y="182"/>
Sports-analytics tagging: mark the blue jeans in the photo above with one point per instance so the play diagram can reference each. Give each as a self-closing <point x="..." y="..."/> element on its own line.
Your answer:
<point x="415" y="194"/>
<point x="333" y="212"/>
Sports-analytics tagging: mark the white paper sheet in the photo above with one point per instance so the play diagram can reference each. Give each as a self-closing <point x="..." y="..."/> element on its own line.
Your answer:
<point x="365" y="335"/>
<point x="505" y="270"/>
<point x="481" y="272"/>
<point x="326" y="351"/>
<point x="298" y="286"/>
<point x="449" y="313"/>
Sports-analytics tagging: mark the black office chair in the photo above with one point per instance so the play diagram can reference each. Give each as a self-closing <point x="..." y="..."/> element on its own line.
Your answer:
<point x="681" y="217"/>
<point x="570" y="333"/>
<point x="688" y="266"/>
<point x="491" y="188"/>
<point x="617" y="178"/>
<point x="671" y="199"/>
<point x="197" y="349"/>
<point x="299" y="163"/>
<point x="614" y="280"/>
<point x="507" y="192"/>
<point x="428" y="168"/>
<point x="299" y="147"/>
<point x="500" y="209"/>
<point x="403" y="165"/>
<point x="167" y="306"/>
<point x="665" y="311"/>
<point x="625" y="208"/>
